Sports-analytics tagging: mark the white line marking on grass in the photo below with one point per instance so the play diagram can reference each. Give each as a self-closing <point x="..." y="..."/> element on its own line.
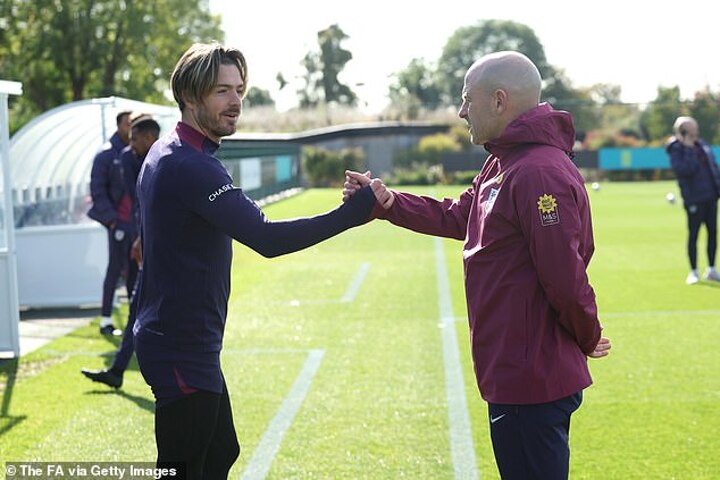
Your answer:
<point x="263" y="351"/>
<point x="461" y="440"/>
<point x="348" y="297"/>
<point x="665" y="313"/>
<point x="259" y="464"/>
<point x="354" y="287"/>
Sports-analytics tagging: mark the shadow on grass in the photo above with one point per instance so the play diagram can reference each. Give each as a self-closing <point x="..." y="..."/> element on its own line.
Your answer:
<point x="141" y="402"/>
<point x="50" y="317"/>
<point x="56" y="313"/>
<point x="8" y="373"/>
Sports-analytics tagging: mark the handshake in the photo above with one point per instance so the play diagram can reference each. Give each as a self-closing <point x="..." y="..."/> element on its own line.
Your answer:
<point x="354" y="181"/>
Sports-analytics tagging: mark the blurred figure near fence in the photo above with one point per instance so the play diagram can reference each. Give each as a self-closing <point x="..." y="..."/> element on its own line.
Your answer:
<point x="699" y="179"/>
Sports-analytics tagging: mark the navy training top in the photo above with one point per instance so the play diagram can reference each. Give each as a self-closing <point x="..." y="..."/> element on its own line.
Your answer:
<point x="190" y="212"/>
<point x="106" y="181"/>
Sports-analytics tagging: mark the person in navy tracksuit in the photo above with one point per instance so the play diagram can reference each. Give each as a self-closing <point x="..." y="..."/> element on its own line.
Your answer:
<point x="698" y="176"/>
<point x="144" y="131"/>
<point x="111" y="206"/>
<point x="190" y="214"/>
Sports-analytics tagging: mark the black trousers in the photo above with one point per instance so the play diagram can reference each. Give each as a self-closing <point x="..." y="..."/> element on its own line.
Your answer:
<point x="119" y="264"/>
<point x="531" y="441"/>
<point x="197" y="434"/>
<point x="124" y="353"/>
<point x="697" y="214"/>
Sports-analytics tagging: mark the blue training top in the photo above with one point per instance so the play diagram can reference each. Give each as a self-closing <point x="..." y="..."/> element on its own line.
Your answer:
<point x="190" y="212"/>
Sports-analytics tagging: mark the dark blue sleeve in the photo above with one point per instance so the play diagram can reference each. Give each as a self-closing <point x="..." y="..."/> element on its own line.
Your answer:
<point x="211" y="195"/>
<point x="102" y="209"/>
<point x="131" y="169"/>
<point x="683" y="160"/>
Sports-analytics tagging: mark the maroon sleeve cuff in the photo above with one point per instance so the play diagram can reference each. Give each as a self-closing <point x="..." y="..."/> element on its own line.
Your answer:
<point x="379" y="211"/>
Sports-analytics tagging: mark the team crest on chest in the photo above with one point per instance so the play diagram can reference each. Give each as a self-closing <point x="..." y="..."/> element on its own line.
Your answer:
<point x="548" y="207"/>
<point x="491" y="198"/>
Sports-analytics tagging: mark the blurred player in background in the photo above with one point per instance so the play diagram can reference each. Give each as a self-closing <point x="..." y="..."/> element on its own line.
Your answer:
<point x="699" y="179"/>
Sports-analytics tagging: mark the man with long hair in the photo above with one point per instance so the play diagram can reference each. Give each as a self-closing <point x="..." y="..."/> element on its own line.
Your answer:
<point x="190" y="213"/>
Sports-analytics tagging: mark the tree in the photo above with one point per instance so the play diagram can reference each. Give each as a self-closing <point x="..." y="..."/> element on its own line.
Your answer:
<point x="469" y="43"/>
<point x="657" y="119"/>
<point x="310" y="95"/>
<point x="614" y="117"/>
<point x="257" y="97"/>
<point x="704" y="109"/>
<point x="65" y="50"/>
<point x="559" y="92"/>
<point x="322" y="84"/>
<point x="606" y="93"/>
<point x="414" y="88"/>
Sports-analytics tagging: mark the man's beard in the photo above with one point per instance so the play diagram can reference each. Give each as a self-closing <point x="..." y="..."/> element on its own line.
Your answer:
<point x="214" y="125"/>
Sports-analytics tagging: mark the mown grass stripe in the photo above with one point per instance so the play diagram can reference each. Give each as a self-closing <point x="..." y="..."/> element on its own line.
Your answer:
<point x="461" y="440"/>
<point x="259" y="464"/>
<point x="357" y="282"/>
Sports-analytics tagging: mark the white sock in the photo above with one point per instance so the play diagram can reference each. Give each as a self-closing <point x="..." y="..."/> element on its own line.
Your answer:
<point x="105" y="321"/>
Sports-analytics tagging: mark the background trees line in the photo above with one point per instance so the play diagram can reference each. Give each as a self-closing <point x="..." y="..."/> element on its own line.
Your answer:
<point x="66" y="50"/>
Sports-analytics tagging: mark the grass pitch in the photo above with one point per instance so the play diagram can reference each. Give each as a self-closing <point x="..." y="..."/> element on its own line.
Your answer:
<point x="357" y="388"/>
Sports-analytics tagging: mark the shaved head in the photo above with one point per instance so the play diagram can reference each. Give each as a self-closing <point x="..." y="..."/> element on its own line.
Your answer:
<point x="512" y="72"/>
<point x="498" y="88"/>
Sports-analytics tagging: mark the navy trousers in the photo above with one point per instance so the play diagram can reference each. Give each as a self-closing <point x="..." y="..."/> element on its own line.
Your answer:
<point x="531" y="441"/>
<point x="697" y="214"/>
<point x="118" y="264"/>
<point x="127" y="346"/>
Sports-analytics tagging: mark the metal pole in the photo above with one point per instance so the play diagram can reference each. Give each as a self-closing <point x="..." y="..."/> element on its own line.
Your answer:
<point x="11" y="315"/>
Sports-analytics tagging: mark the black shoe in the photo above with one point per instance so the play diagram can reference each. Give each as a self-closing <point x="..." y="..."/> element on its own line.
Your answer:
<point x="107" y="377"/>
<point x="111" y="330"/>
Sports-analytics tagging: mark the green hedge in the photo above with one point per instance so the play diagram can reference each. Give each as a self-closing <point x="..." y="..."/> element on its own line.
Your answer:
<point x="326" y="168"/>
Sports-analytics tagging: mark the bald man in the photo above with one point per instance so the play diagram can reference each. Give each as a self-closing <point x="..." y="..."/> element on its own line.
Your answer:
<point x="528" y="240"/>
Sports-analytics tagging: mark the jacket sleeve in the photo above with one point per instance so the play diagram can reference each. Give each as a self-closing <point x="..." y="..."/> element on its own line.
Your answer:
<point x="231" y="211"/>
<point x="131" y="170"/>
<point x="554" y="214"/>
<point x="102" y="208"/>
<point x="443" y="218"/>
<point x="714" y="170"/>
<point x="683" y="160"/>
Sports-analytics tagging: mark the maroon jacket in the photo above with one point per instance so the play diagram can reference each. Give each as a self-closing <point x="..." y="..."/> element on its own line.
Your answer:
<point x="528" y="240"/>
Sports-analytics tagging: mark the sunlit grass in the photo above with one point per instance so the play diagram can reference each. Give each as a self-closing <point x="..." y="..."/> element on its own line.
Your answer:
<point x="376" y="407"/>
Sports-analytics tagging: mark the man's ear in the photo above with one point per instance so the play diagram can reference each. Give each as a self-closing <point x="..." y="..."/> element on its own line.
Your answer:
<point x="189" y="102"/>
<point x="500" y="101"/>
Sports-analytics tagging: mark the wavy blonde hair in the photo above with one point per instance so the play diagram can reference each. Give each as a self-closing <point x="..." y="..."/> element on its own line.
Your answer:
<point x="196" y="72"/>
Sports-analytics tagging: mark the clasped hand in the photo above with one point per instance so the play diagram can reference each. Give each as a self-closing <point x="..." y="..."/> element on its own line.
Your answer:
<point x="354" y="181"/>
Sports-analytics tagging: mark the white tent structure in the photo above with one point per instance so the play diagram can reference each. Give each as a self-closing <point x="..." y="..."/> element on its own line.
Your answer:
<point x="62" y="254"/>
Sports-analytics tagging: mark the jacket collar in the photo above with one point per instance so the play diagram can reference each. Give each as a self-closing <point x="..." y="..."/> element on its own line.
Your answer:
<point x="195" y="139"/>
